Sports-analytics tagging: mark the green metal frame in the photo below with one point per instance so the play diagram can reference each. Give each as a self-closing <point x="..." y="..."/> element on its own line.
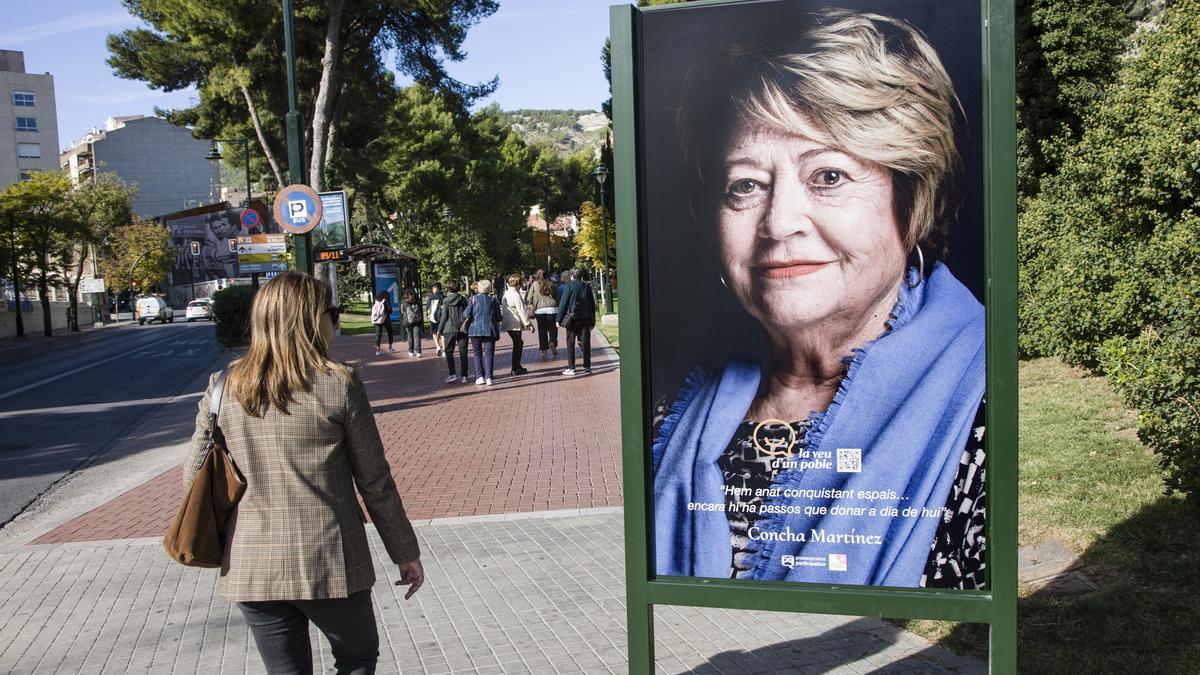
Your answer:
<point x="998" y="605"/>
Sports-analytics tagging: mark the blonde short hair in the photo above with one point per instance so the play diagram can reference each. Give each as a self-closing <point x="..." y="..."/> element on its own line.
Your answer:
<point x="483" y="286"/>
<point x="869" y="85"/>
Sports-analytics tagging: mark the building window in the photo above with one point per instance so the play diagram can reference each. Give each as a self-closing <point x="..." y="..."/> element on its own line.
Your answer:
<point x="25" y="175"/>
<point x="29" y="150"/>
<point x="26" y="124"/>
<point x="24" y="98"/>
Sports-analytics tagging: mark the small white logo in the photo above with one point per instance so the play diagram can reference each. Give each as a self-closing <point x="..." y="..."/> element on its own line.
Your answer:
<point x="297" y="211"/>
<point x="788" y="561"/>
<point x="837" y="562"/>
<point x="849" y="460"/>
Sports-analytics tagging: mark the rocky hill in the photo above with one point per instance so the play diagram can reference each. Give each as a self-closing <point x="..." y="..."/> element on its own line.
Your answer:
<point x="567" y="130"/>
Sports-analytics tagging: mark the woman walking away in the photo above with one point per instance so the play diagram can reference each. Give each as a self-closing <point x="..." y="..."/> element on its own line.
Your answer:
<point x="542" y="300"/>
<point x="381" y="317"/>
<point x="410" y="314"/>
<point x="299" y="426"/>
<point x="515" y="320"/>
<point x="482" y="320"/>
<point x="431" y="307"/>
<point x="577" y="313"/>
<point x="450" y="320"/>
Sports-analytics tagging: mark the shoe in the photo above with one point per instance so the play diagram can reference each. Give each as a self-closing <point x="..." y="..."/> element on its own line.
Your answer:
<point x="418" y="355"/>
<point x="452" y="379"/>
<point x="587" y="371"/>
<point x="410" y="353"/>
<point x="569" y="371"/>
<point x="488" y="381"/>
<point x="542" y="354"/>
<point x="520" y="371"/>
<point x="463" y="379"/>
<point x="390" y="350"/>
<point x="378" y="352"/>
<point x="479" y="380"/>
<point x="439" y="353"/>
<point x="554" y="352"/>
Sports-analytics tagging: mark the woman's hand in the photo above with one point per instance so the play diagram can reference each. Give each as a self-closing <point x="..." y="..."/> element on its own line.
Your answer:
<point x="412" y="574"/>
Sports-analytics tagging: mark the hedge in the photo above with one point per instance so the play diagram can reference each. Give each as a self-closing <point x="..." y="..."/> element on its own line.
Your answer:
<point x="1110" y="247"/>
<point x="231" y="312"/>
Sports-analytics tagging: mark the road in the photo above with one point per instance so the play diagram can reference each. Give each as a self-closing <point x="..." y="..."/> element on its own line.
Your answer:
<point x="62" y="406"/>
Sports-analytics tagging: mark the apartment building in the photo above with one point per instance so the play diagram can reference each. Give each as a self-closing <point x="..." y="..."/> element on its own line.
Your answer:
<point x="28" y="120"/>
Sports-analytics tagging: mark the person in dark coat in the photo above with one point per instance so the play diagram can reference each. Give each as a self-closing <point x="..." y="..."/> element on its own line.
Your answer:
<point x="449" y="317"/>
<point x="576" y="298"/>
<point x="483" y="326"/>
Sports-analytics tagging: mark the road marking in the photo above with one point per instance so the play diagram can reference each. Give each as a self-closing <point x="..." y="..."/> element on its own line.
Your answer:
<point x="97" y="407"/>
<point x="48" y="380"/>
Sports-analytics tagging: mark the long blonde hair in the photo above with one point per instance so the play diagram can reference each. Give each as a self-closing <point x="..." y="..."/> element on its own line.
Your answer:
<point x="286" y="345"/>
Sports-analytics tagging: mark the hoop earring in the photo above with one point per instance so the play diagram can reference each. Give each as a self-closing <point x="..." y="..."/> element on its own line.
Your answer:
<point x="920" y="270"/>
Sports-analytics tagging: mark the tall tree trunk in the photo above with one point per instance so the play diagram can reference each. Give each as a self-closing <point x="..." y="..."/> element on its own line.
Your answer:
<point x="338" y="111"/>
<point x="262" y="137"/>
<point x="323" y="107"/>
<point x="73" y="294"/>
<point x="44" y="297"/>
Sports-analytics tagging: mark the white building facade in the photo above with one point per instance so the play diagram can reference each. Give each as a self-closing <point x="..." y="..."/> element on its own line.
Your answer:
<point x="28" y="120"/>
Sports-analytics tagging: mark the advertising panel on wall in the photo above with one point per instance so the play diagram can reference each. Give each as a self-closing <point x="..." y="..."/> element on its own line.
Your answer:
<point x="387" y="281"/>
<point x="333" y="234"/>
<point x="813" y="184"/>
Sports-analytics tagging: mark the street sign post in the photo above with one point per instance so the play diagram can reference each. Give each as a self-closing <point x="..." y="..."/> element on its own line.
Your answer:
<point x="91" y="286"/>
<point x="258" y="253"/>
<point x="250" y="219"/>
<point x="298" y="209"/>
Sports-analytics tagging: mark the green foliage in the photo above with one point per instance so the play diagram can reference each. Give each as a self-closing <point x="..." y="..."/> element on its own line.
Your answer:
<point x="565" y="130"/>
<point x="351" y="286"/>
<point x="143" y="242"/>
<point x="231" y="312"/>
<point x="1110" y="249"/>
<point x="1067" y="52"/>
<point x="590" y="240"/>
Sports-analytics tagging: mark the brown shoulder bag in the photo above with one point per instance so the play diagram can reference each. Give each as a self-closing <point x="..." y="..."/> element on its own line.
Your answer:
<point x="196" y="537"/>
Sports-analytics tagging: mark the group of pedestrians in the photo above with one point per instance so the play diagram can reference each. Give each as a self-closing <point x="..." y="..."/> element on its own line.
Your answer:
<point x="297" y="426"/>
<point x="455" y="319"/>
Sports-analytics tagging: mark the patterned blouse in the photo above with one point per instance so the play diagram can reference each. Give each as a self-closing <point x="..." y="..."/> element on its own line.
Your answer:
<point x="956" y="556"/>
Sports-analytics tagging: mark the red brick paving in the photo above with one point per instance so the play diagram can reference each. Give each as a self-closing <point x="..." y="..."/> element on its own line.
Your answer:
<point x="534" y="443"/>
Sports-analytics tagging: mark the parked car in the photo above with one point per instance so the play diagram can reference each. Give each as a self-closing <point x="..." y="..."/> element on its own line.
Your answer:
<point x="153" y="308"/>
<point x="199" y="309"/>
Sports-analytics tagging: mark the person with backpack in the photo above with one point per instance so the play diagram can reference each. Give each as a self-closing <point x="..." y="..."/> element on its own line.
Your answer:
<point x="410" y="317"/>
<point x="431" y="307"/>
<point x="577" y="314"/>
<point x="482" y="323"/>
<point x="381" y="318"/>
<point x="449" y="322"/>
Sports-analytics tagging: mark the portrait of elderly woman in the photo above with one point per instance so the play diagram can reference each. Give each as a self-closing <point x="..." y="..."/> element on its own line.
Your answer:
<point x="823" y="169"/>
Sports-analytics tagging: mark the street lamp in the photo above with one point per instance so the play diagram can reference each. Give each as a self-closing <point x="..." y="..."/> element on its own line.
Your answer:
<point x="601" y="174"/>
<point x="132" y="299"/>
<point x="214" y="155"/>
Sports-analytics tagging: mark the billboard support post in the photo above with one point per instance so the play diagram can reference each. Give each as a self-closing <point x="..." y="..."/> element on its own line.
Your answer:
<point x="997" y="604"/>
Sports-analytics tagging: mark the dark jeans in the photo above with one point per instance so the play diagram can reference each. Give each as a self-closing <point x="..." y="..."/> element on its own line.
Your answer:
<point x="280" y="630"/>
<point x="414" y="338"/>
<point x="485" y="354"/>
<point x="379" y="328"/>
<point x="457" y="340"/>
<point x="585" y="344"/>
<point x="547" y="331"/>
<point x="518" y="347"/>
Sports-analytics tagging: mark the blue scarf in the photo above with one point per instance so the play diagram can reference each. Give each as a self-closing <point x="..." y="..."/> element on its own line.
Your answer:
<point x="907" y="402"/>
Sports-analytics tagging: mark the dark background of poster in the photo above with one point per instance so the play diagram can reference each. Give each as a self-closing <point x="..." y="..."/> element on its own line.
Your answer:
<point x="691" y="319"/>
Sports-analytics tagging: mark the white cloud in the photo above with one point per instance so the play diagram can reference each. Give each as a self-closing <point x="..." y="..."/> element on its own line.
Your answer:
<point x="67" y="24"/>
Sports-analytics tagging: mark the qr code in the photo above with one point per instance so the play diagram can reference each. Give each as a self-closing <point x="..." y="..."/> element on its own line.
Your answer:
<point x="849" y="460"/>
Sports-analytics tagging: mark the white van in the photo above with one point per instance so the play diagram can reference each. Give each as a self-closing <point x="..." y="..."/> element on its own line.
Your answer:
<point x="154" y="308"/>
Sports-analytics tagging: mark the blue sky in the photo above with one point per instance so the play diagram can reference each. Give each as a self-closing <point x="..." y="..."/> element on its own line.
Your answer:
<point x="546" y="52"/>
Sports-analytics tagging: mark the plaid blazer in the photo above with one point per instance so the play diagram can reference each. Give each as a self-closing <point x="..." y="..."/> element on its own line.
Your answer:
<point x="298" y="532"/>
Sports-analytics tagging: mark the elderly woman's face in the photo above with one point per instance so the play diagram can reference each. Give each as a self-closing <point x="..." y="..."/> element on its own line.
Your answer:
<point x="807" y="232"/>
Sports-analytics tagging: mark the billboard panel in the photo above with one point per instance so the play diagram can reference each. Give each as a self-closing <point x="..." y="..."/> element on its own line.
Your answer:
<point x="333" y="234"/>
<point x="822" y="168"/>
<point x="386" y="280"/>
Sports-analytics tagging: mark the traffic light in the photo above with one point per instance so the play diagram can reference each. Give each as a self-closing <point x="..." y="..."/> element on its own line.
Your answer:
<point x="195" y="248"/>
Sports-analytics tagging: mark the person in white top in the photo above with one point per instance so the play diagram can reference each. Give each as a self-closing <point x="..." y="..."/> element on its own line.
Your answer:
<point x="514" y="318"/>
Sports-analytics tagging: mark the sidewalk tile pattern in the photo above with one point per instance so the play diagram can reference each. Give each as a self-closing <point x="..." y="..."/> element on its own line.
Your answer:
<point x="539" y="442"/>
<point x="529" y="595"/>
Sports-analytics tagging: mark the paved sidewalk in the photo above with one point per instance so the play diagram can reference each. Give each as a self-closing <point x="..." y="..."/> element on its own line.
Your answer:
<point x="536" y="593"/>
<point x="521" y="535"/>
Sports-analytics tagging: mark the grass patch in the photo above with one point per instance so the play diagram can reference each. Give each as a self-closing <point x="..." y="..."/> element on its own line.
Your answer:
<point x="611" y="333"/>
<point x="355" y="324"/>
<point x="1087" y="481"/>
